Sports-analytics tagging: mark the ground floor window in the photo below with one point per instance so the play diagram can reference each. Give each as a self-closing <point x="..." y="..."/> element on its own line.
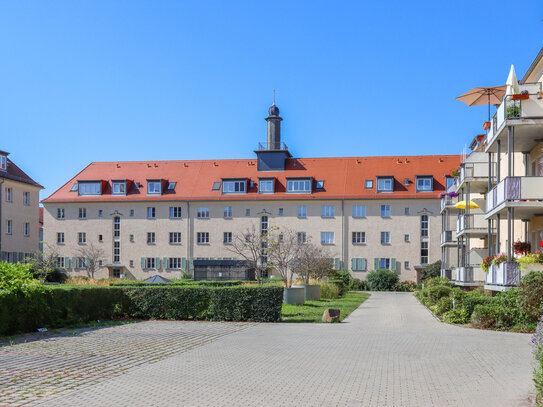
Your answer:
<point x="174" y="263"/>
<point x="384" y="263"/>
<point x="424" y="252"/>
<point x="150" y="262"/>
<point x="116" y="273"/>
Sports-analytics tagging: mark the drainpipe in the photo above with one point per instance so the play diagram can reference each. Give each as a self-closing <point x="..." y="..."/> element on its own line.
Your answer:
<point x="1" y="220"/>
<point x="345" y="237"/>
<point x="498" y="162"/>
<point x="509" y="149"/>
<point x="509" y="233"/>
<point x="498" y="233"/>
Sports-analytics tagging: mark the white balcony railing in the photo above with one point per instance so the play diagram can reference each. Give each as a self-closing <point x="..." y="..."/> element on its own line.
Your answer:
<point x="476" y="171"/>
<point x="448" y="201"/>
<point x="503" y="274"/>
<point x="447" y="236"/>
<point x="472" y="221"/>
<point x="515" y="189"/>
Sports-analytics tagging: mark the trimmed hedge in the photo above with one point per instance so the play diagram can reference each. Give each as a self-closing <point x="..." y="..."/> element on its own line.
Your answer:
<point x="59" y="306"/>
<point x="206" y="283"/>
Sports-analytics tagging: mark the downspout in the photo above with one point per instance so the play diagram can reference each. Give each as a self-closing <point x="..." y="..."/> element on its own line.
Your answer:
<point x="189" y="237"/>
<point x="1" y="220"/>
<point x="344" y="234"/>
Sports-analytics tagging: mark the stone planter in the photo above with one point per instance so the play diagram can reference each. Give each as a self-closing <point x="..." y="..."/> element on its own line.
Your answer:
<point x="312" y="292"/>
<point x="294" y="295"/>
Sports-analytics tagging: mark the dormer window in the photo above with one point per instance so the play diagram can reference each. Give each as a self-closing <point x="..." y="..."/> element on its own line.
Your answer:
<point x="234" y="186"/>
<point x="3" y="163"/>
<point x="75" y="187"/>
<point x="154" y="187"/>
<point x="425" y="183"/>
<point x="118" y="187"/>
<point x="266" y="186"/>
<point x="299" y="185"/>
<point x="90" y="187"/>
<point x="319" y="184"/>
<point x="385" y="184"/>
<point x="171" y="186"/>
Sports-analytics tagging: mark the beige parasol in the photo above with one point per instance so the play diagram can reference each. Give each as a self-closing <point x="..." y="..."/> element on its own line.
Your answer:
<point x="483" y="96"/>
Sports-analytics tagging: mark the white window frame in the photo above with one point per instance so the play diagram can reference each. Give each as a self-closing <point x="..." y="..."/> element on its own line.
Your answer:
<point x="82" y="238"/>
<point x="202" y="212"/>
<point x="385" y="237"/>
<point x="26" y="229"/>
<point x="174" y="263"/>
<point x="61" y="213"/>
<point x="302" y="211"/>
<point x="359" y="237"/>
<point x="26" y="198"/>
<point x="60" y="237"/>
<point x="299" y="185"/>
<point x="328" y="211"/>
<point x="202" y="238"/>
<point x="266" y="186"/>
<point x="384" y="263"/>
<point x="234" y="186"/>
<point x="385" y="184"/>
<point x="3" y="163"/>
<point x="60" y="262"/>
<point x="150" y="263"/>
<point x="327" y="238"/>
<point x="368" y="184"/>
<point x="302" y="237"/>
<point x="151" y="212"/>
<point x="9" y="194"/>
<point x="82" y="213"/>
<point x="359" y="211"/>
<point x="385" y="211"/>
<point x="424" y="252"/>
<point x="227" y="238"/>
<point x="116" y="252"/>
<point x="118" y="187"/>
<point x="89" y="188"/>
<point x="425" y="183"/>
<point x="151" y="238"/>
<point x="406" y="238"/>
<point x="81" y="263"/>
<point x="175" y="237"/>
<point x="175" y="212"/>
<point x="424" y="225"/>
<point x="227" y="212"/>
<point x="154" y="187"/>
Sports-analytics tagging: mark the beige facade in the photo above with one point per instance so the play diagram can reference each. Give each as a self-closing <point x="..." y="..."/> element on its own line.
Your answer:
<point x="404" y="224"/>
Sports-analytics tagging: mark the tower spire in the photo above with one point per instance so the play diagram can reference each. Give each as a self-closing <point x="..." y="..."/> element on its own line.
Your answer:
<point x="274" y="96"/>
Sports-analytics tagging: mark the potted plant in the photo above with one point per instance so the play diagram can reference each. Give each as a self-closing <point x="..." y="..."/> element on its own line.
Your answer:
<point x="522" y="248"/>
<point x="499" y="258"/>
<point x="455" y="172"/>
<point x="486" y="125"/>
<point x="452" y="194"/>
<point x="521" y="96"/>
<point x="487" y="262"/>
<point x="512" y="111"/>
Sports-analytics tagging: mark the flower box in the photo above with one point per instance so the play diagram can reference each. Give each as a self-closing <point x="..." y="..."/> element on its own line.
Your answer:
<point x="520" y="96"/>
<point x="486" y="126"/>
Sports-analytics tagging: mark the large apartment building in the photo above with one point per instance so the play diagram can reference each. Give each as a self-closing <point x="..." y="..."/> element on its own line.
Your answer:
<point x="157" y="217"/>
<point x="504" y="176"/>
<point x="19" y="218"/>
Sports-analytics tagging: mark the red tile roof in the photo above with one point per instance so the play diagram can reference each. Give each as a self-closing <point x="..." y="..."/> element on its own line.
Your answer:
<point x="14" y="173"/>
<point x="343" y="178"/>
<point x="41" y="216"/>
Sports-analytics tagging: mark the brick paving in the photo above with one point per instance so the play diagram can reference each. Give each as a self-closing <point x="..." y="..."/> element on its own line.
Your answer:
<point x="389" y="352"/>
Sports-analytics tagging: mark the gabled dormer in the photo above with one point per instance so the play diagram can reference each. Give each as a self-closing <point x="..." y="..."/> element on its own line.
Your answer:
<point x="3" y="161"/>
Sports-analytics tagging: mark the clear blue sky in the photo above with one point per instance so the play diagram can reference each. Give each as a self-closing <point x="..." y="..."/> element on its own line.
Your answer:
<point x="86" y="81"/>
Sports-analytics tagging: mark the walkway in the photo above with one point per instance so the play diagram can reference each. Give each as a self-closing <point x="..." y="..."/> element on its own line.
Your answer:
<point x="389" y="352"/>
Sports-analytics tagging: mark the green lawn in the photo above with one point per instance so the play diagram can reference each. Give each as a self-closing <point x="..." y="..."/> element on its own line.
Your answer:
<point x="312" y="311"/>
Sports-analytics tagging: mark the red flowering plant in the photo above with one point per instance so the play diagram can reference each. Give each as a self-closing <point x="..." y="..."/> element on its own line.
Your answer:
<point x="485" y="265"/>
<point x="522" y="248"/>
<point x="455" y="172"/>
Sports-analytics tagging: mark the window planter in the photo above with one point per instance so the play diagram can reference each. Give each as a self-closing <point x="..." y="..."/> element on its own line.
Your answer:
<point x="520" y="96"/>
<point x="486" y="125"/>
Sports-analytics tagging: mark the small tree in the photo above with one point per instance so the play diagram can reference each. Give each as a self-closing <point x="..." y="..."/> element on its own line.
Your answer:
<point x="93" y="256"/>
<point x="312" y="262"/>
<point x="284" y="254"/>
<point x="432" y="270"/>
<point x="252" y="246"/>
<point x="44" y="262"/>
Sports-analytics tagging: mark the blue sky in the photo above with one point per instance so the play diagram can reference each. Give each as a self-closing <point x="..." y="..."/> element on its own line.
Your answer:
<point x="85" y="81"/>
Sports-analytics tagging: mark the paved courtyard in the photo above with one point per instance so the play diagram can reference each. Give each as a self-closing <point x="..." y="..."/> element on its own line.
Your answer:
<point x="390" y="352"/>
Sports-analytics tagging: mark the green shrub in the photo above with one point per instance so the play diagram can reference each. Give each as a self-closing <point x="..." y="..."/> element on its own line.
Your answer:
<point x="474" y="298"/>
<point x="510" y="300"/>
<point x="405" y="286"/>
<point x="382" y="280"/>
<point x="329" y="290"/>
<point x="341" y="287"/>
<point x="434" y="281"/>
<point x="456" y="316"/>
<point x="530" y="295"/>
<point x="443" y="305"/>
<point x="435" y="293"/>
<point x="17" y="278"/>
<point x="56" y="276"/>
<point x="203" y="283"/>
<point x="491" y="316"/>
<point x="358" y="285"/>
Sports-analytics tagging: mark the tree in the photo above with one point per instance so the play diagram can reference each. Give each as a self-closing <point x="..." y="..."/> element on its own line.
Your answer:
<point x="44" y="262"/>
<point x="93" y="256"/>
<point x="432" y="270"/>
<point x="312" y="262"/>
<point x="284" y="254"/>
<point x="252" y="246"/>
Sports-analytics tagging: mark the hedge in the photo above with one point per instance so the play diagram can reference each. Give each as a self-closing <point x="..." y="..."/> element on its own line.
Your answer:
<point x="55" y="307"/>
<point x="206" y="283"/>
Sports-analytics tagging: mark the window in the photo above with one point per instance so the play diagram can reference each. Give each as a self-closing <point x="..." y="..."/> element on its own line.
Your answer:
<point x="264" y="225"/>
<point x="247" y="212"/>
<point x="406" y="265"/>
<point x="302" y="237"/>
<point x="385" y="211"/>
<point x="266" y="186"/>
<point x="368" y="184"/>
<point x="280" y="211"/>
<point x="228" y="212"/>
<point x="174" y="262"/>
<point x="327" y="237"/>
<point x="448" y="182"/>
<point x="132" y="238"/>
<point x="3" y="162"/>
<point x="171" y="186"/>
<point x="302" y="211"/>
<point x="26" y="229"/>
<point x="424" y="225"/>
<point x="359" y="211"/>
<point x="423" y="252"/>
<point x="358" y="264"/>
<point x="425" y="184"/>
<point x="60" y="262"/>
<point x="406" y="211"/>
<point x="385" y="237"/>
<point x="116" y="252"/>
<point x="202" y="212"/>
<point x="151" y="238"/>
<point x="75" y="187"/>
<point x="385" y="184"/>
<point x="384" y="263"/>
<point x="60" y="213"/>
<point x="9" y="226"/>
<point x="81" y="263"/>
<point x="359" y="237"/>
<point x="328" y="211"/>
<point x="227" y="237"/>
<point x="175" y="212"/>
<point x="234" y="187"/>
<point x="9" y="194"/>
<point x="100" y="238"/>
<point x="154" y="187"/>
<point x="26" y="198"/>
<point x="406" y="181"/>
<point x="302" y="185"/>
<point x="131" y="263"/>
<point x="319" y="184"/>
<point x="151" y="212"/>
<point x="90" y="188"/>
<point x="118" y="187"/>
<point x="175" y="237"/>
<point x="82" y="238"/>
<point x="100" y="213"/>
<point x="131" y="212"/>
<point x="60" y="238"/>
<point x="216" y="186"/>
<point x="82" y="213"/>
<point x="150" y="262"/>
<point x="406" y="238"/>
<point x="247" y="238"/>
<point x="281" y="238"/>
<point x="202" y="237"/>
<point x="116" y="226"/>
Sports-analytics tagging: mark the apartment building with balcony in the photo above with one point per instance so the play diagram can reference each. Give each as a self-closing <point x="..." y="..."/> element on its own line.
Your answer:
<point x="160" y="217"/>
<point x="19" y="216"/>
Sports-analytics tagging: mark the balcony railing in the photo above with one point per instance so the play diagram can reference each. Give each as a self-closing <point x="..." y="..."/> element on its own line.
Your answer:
<point x="464" y="274"/>
<point x="448" y="201"/>
<point x="447" y="273"/>
<point x="477" y="171"/>
<point x="472" y="221"/>
<point x="503" y="274"/>
<point x="515" y="189"/>
<point x="275" y="146"/>
<point x="447" y="236"/>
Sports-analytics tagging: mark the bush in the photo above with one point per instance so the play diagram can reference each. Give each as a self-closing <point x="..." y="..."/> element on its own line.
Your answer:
<point x="510" y="300"/>
<point x="341" y="287"/>
<point x="329" y="290"/>
<point x="203" y="283"/>
<point x="537" y="343"/>
<point x="17" y="278"/>
<point x="530" y="295"/>
<point x="435" y="293"/>
<point x="432" y="282"/>
<point x="56" y="276"/>
<point x="491" y="316"/>
<point x="405" y="286"/>
<point x="443" y="305"/>
<point x="358" y="285"/>
<point x="431" y="271"/>
<point x="456" y="316"/>
<point x="59" y="306"/>
<point x="382" y="280"/>
<point x="472" y="299"/>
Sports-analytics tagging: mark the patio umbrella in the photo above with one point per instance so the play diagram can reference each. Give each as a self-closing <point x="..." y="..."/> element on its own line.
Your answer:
<point x="483" y="96"/>
<point x="462" y="205"/>
<point x="512" y="83"/>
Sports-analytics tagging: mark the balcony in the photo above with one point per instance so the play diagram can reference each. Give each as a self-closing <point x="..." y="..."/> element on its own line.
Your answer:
<point x="447" y="238"/>
<point x="500" y="277"/>
<point x="526" y="115"/>
<point x="448" y="202"/>
<point x="447" y="273"/>
<point x="280" y="146"/>
<point x="523" y="193"/>
<point x="472" y="224"/>
<point x="469" y="276"/>
<point x="476" y="173"/>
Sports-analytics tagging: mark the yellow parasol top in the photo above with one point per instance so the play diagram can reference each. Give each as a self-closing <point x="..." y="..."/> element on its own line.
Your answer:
<point x="462" y="205"/>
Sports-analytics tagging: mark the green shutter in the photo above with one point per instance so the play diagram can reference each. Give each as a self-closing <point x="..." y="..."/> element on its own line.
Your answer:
<point x="337" y="263"/>
<point x="157" y="263"/>
<point x="191" y="267"/>
<point x="74" y="262"/>
<point x="165" y="263"/>
<point x="21" y="257"/>
<point x="353" y="264"/>
<point x="376" y="263"/>
<point x="393" y="264"/>
<point x="184" y="263"/>
<point x="143" y="263"/>
<point x="87" y="262"/>
<point x="66" y="262"/>
<point x="363" y="265"/>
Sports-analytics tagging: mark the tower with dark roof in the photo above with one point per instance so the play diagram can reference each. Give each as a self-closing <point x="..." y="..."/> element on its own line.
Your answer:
<point x="274" y="128"/>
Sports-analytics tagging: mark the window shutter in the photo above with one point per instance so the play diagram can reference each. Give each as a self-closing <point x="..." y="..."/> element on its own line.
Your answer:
<point x="363" y="265"/>
<point x="87" y="262"/>
<point x="393" y="264"/>
<point x="353" y="264"/>
<point x="21" y="257"/>
<point x="66" y="262"/>
<point x="74" y="262"/>
<point x="165" y="263"/>
<point x="143" y="263"/>
<point x="157" y="263"/>
<point x="191" y="267"/>
<point x="15" y="257"/>
<point x="376" y="263"/>
<point x="184" y="263"/>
